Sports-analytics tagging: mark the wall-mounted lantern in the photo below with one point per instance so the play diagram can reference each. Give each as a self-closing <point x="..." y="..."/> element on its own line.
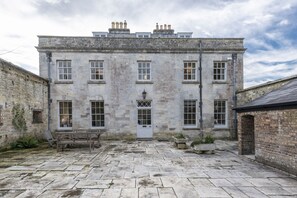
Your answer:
<point x="144" y="94"/>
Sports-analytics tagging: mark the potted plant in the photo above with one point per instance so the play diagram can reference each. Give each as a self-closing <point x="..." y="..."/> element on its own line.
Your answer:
<point x="202" y="145"/>
<point x="180" y="141"/>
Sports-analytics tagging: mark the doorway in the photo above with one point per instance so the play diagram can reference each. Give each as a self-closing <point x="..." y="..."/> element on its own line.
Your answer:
<point x="144" y="119"/>
<point x="247" y="146"/>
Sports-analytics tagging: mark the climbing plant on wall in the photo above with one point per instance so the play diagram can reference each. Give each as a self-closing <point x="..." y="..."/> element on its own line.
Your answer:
<point x="18" y="118"/>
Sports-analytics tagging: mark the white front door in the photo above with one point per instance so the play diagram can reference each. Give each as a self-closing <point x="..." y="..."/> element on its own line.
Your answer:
<point x="144" y="119"/>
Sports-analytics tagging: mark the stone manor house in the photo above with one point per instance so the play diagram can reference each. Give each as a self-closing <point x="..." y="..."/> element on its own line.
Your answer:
<point x="145" y="84"/>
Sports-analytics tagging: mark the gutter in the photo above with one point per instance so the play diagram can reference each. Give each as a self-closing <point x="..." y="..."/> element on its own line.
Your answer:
<point x="276" y="106"/>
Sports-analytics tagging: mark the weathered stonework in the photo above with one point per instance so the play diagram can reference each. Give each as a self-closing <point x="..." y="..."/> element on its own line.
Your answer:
<point x="18" y="86"/>
<point x="120" y="89"/>
<point x="249" y="94"/>
<point x="275" y="138"/>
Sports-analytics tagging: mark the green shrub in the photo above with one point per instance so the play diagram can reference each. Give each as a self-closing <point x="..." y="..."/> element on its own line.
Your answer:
<point x="25" y="142"/>
<point x="196" y="141"/>
<point x="18" y="119"/>
<point x="209" y="139"/>
<point x="179" y="136"/>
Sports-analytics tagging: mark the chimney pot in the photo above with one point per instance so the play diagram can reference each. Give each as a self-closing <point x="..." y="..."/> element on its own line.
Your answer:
<point x="169" y="27"/>
<point x="112" y="25"/>
<point x="165" y="27"/>
<point x="157" y="26"/>
<point x="161" y="27"/>
<point x="121" y="25"/>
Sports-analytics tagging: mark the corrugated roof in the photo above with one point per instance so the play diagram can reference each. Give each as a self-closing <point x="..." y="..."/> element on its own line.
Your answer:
<point x="284" y="96"/>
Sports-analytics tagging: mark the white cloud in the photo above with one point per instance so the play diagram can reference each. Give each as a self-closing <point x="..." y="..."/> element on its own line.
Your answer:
<point x="261" y="23"/>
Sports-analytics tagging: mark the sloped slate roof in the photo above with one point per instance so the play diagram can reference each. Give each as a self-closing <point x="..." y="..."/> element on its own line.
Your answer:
<point x="284" y="96"/>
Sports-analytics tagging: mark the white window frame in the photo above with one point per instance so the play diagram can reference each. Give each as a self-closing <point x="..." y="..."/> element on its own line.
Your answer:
<point x="195" y="72"/>
<point x="144" y="63"/>
<point x="218" y="68"/>
<point x="97" y="114"/>
<point x="59" y="119"/>
<point x="96" y="65"/>
<point x="221" y="113"/>
<point x="196" y="120"/>
<point x="64" y="65"/>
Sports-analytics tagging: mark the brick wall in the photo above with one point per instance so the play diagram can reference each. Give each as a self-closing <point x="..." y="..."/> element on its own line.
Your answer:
<point x="275" y="137"/>
<point x="18" y="86"/>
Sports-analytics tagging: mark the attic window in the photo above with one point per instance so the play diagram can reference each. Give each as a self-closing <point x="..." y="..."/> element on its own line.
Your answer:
<point x="143" y="34"/>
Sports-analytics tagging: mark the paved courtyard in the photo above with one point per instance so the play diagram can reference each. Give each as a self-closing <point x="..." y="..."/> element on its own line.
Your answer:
<point x="139" y="169"/>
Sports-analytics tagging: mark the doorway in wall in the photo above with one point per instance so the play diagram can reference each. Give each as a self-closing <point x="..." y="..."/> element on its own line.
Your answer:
<point x="144" y="119"/>
<point x="248" y="135"/>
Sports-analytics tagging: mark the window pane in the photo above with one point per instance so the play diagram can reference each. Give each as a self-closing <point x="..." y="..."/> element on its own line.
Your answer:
<point x="144" y="69"/>
<point x="189" y="112"/>
<point x="220" y="112"/>
<point x="96" y="70"/>
<point x="97" y="110"/>
<point x="189" y="71"/>
<point x="65" y="114"/>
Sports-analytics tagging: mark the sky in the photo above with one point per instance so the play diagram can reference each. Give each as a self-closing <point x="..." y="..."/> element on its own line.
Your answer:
<point x="268" y="26"/>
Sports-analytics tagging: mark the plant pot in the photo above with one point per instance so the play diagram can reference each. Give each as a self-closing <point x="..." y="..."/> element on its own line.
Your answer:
<point x="201" y="148"/>
<point x="180" y="143"/>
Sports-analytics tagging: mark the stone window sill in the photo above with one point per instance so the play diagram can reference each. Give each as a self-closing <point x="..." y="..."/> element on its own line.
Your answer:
<point x="220" y="128"/>
<point x="191" y="128"/>
<point x="96" y="82"/>
<point x="219" y="82"/>
<point x="144" y="82"/>
<point x="63" y="82"/>
<point x="190" y="82"/>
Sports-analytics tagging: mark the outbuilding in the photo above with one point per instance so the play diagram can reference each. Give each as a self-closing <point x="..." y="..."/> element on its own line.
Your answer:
<point x="267" y="125"/>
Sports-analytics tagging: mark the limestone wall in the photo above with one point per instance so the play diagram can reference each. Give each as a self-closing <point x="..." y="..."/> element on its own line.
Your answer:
<point x="120" y="89"/>
<point x="275" y="133"/>
<point x="20" y="87"/>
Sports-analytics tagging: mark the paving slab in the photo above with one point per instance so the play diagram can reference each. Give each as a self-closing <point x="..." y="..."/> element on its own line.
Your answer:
<point x="140" y="169"/>
<point x="211" y="192"/>
<point x="166" y="193"/>
<point x="129" y="193"/>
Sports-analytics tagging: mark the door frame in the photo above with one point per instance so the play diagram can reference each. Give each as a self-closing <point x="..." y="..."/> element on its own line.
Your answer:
<point x="144" y="131"/>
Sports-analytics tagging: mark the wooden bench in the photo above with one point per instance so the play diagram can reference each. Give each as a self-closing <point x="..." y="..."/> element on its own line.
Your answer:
<point x="79" y="136"/>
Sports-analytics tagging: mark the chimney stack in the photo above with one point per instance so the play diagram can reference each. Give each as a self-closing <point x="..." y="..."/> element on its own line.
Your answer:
<point x="119" y="28"/>
<point x="163" y="29"/>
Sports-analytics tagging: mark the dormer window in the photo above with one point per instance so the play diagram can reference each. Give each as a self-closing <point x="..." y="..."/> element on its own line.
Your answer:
<point x="143" y="34"/>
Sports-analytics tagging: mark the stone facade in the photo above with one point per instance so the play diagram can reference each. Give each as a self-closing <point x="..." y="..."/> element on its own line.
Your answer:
<point x="29" y="91"/>
<point x="251" y="93"/>
<point x="120" y="88"/>
<point x="275" y="134"/>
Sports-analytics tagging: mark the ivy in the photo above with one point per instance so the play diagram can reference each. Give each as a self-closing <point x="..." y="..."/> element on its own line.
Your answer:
<point x="18" y="119"/>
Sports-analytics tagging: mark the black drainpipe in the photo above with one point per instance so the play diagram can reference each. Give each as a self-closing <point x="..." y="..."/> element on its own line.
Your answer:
<point x="200" y="88"/>
<point x="234" y="58"/>
<point x="48" y="60"/>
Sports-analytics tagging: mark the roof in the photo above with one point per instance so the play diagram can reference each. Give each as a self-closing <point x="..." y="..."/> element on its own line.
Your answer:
<point x="284" y="96"/>
<point x="146" y="45"/>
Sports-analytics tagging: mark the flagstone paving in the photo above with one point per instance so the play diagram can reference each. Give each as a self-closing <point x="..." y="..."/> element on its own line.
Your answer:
<point x="139" y="169"/>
